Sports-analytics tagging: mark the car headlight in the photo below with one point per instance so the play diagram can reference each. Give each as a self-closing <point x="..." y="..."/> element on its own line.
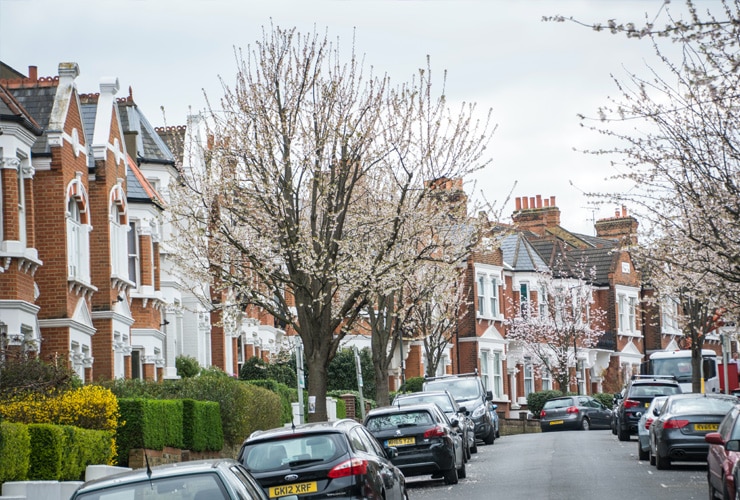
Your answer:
<point x="479" y="412"/>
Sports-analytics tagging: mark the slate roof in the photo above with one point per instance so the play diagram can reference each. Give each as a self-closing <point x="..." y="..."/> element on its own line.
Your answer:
<point x="520" y="255"/>
<point x="38" y="101"/>
<point x="138" y="189"/>
<point x="12" y="110"/>
<point x="565" y="259"/>
<point x="174" y="137"/>
<point x="150" y="148"/>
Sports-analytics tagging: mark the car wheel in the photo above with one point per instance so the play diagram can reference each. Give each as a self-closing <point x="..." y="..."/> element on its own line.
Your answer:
<point x="623" y="435"/>
<point x="585" y="424"/>
<point x="461" y="472"/>
<point x="662" y="463"/>
<point x="474" y="448"/>
<point x="642" y="454"/>
<point x="490" y="437"/>
<point x="651" y="457"/>
<point x="451" y="476"/>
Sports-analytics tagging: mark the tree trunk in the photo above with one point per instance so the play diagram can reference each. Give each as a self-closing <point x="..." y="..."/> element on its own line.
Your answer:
<point x="317" y="374"/>
<point x="382" y="396"/>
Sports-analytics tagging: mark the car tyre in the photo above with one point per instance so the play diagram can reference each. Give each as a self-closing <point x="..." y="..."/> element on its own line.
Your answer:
<point x="642" y="454"/>
<point x="474" y="448"/>
<point x="585" y="424"/>
<point x="491" y="437"/>
<point x="462" y="472"/>
<point x="651" y="457"/>
<point x="450" y="476"/>
<point x="623" y="435"/>
<point x="662" y="463"/>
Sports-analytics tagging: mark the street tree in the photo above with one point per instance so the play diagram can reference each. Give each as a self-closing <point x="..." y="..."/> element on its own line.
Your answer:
<point x="562" y="321"/>
<point x="313" y="174"/>
<point x="676" y="136"/>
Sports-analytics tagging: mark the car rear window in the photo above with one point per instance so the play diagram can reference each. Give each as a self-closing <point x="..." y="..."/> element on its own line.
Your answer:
<point x="206" y="485"/>
<point x="701" y="405"/>
<point x="295" y="450"/>
<point x="397" y="420"/>
<point x="557" y="403"/>
<point x="441" y="401"/>
<point x="460" y="388"/>
<point x="650" y="391"/>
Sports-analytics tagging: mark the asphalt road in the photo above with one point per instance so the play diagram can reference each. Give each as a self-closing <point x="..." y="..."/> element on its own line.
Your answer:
<point x="565" y="465"/>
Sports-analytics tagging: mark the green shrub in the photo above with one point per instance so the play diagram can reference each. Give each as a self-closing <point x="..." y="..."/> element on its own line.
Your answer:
<point x="413" y="384"/>
<point x="187" y="366"/>
<point x="15" y="452"/>
<point x="536" y="400"/>
<point x="48" y="443"/>
<point x="287" y="395"/>
<point x="605" y="398"/>
<point x="149" y="423"/>
<point x="84" y="447"/>
<point x="342" y="372"/>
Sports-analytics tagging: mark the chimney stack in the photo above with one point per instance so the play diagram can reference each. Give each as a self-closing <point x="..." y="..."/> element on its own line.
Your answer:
<point x="534" y="215"/>
<point x="622" y="227"/>
<point x="33" y="73"/>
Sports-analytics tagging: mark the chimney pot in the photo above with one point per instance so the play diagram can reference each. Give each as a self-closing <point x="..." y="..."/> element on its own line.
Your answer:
<point x="532" y="202"/>
<point x="525" y="202"/>
<point x="616" y="212"/>
<point x="624" y="211"/>
<point x="552" y="201"/>
<point x="539" y="201"/>
<point x="518" y="202"/>
<point x="33" y="73"/>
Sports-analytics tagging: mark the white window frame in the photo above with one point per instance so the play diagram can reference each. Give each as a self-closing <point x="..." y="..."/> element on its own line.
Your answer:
<point x="78" y="234"/>
<point x="118" y="220"/>
<point x="528" y="377"/>
<point x="627" y="304"/>
<point x="488" y="282"/>
<point x="133" y="261"/>
<point x="497" y="378"/>
<point x="546" y="378"/>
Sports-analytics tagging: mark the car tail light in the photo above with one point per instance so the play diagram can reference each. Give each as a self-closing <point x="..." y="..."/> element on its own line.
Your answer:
<point x="543" y="413"/>
<point x="571" y="409"/>
<point x="353" y="467"/>
<point x="631" y="403"/>
<point x="675" y="423"/>
<point x="435" y="432"/>
<point x="648" y="421"/>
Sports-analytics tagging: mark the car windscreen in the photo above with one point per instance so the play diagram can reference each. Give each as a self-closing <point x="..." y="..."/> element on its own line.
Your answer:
<point x="653" y="390"/>
<point x="205" y="485"/>
<point x="389" y="421"/>
<point x="293" y="451"/>
<point x="462" y="389"/>
<point x="701" y="405"/>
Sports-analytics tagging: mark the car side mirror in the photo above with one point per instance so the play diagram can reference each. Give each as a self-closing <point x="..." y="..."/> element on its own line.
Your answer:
<point x="489" y="395"/>
<point x="391" y="452"/>
<point x="732" y="445"/>
<point x="715" y="438"/>
<point x="454" y="422"/>
<point x="464" y="410"/>
<point x="494" y="406"/>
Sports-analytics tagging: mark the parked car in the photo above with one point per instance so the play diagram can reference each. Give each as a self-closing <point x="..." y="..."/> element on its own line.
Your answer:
<point x="468" y="391"/>
<point x="683" y="421"/>
<point x="643" y="427"/>
<point x="219" y="479"/>
<point x="339" y="459"/>
<point x="574" y="412"/>
<point x="425" y="439"/>
<point x="724" y="452"/>
<point x="636" y="398"/>
<point x="447" y="403"/>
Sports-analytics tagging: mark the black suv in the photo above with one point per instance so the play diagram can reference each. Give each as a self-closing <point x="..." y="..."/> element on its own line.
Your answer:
<point x="338" y="459"/>
<point x="631" y="403"/>
<point x="468" y="391"/>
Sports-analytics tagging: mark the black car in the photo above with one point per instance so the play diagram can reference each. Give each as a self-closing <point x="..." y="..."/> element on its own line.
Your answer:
<point x="218" y="479"/>
<point x="427" y="442"/>
<point x="469" y="392"/>
<point x="574" y="412"/>
<point x="339" y="459"/>
<point x="683" y="421"/>
<point x="447" y="403"/>
<point x="636" y="398"/>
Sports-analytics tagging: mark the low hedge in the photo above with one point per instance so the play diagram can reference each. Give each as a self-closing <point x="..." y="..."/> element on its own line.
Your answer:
<point x="149" y="423"/>
<point x="15" y="451"/>
<point x="201" y="421"/>
<point x="47" y="450"/>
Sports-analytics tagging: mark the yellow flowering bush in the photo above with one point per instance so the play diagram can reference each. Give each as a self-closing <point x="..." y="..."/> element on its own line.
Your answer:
<point x="89" y="407"/>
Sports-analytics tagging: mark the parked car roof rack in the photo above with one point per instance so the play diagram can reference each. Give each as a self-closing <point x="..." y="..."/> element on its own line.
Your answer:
<point x="651" y="377"/>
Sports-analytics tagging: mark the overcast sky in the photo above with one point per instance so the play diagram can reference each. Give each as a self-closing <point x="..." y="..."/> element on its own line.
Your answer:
<point x="536" y="76"/>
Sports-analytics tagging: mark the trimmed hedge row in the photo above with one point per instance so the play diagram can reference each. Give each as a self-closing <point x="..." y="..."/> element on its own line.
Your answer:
<point x="156" y="423"/>
<point x="51" y="452"/>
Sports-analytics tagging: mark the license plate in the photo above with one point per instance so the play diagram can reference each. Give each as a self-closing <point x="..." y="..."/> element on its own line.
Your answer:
<point x="293" y="489"/>
<point x="647" y="404"/>
<point x="556" y="422"/>
<point x="706" y="427"/>
<point x="402" y="441"/>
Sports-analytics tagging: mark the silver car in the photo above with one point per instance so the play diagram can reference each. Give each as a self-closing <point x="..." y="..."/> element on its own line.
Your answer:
<point x="643" y="427"/>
